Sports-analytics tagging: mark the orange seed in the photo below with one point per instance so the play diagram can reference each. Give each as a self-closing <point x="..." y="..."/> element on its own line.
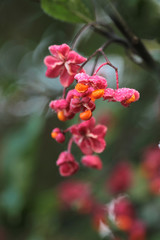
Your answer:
<point x="80" y="87"/>
<point x="61" y="116"/>
<point x="130" y="100"/>
<point x="54" y="134"/>
<point x="98" y="93"/>
<point x="86" y="115"/>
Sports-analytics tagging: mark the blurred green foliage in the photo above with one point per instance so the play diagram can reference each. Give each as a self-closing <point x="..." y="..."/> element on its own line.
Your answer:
<point x="19" y="155"/>
<point x="142" y="16"/>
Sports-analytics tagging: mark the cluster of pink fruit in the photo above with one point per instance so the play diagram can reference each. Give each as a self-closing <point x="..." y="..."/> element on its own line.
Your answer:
<point x="88" y="136"/>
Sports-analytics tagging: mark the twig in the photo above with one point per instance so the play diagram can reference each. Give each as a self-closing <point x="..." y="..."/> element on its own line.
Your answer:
<point x="111" y="65"/>
<point x="106" y="44"/>
<point x="70" y="144"/>
<point x="95" y="63"/>
<point x="133" y="40"/>
<point x="85" y="27"/>
<point x="110" y="35"/>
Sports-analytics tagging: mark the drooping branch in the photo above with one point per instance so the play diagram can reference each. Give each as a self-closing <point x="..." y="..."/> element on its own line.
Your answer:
<point x="99" y="28"/>
<point x="134" y="43"/>
<point x="76" y="38"/>
<point x="114" y="38"/>
<point x="132" y="38"/>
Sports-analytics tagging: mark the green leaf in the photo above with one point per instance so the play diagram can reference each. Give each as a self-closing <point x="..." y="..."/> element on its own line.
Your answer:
<point x="73" y="11"/>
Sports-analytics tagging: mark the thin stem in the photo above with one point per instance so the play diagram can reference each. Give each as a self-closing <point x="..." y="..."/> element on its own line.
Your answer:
<point x="106" y="44"/>
<point x="76" y="38"/>
<point x="67" y="130"/>
<point x="70" y="144"/>
<point x="88" y="59"/>
<point x="111" y="65"/>
<point x="100" y="50"/>
<point x="110" y="34"/>
<point x="95" y="63"/>
<point x="64" y="93"/>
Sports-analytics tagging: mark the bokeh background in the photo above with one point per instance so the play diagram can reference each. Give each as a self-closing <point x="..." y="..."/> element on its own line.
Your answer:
<point x="30" y="208"/>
